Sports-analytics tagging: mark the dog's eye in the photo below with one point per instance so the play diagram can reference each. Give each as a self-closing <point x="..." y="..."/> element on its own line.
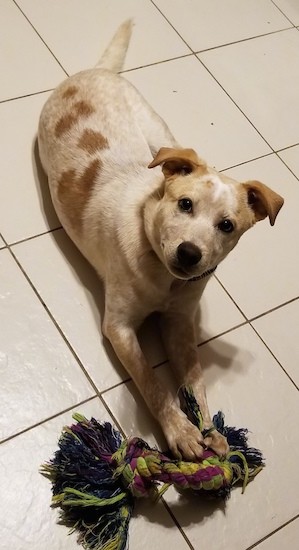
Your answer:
<point x="226" y="226"/>
<point x="185" y="204"/>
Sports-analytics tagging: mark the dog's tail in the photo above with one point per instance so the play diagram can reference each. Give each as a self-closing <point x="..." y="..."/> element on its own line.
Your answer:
<point x="114" y="56"/>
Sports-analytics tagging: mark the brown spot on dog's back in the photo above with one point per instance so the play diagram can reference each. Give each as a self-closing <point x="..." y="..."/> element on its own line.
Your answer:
<point x="70" y="92"/>
<point x="64" y="124"/>
<point x="92" y="141"/>
<point x="74" y="192"/>
<point x="81" y="109"/>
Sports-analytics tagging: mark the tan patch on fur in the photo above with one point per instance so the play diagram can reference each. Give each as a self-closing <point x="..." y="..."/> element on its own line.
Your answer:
<point x="74" y="192"/>
<point x="263" y="201"/>
<point x="64" y="124"/>
<point x="178" y="162"/>
<point x="92" y="141"/>
<point x="70" y="92"/>
<point x="81" y="109"/>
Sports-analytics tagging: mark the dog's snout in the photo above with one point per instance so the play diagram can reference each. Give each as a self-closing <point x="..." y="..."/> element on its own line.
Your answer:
<point x="188" y="254"/>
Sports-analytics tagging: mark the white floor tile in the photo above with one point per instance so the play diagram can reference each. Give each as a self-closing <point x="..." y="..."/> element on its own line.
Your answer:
<point x="202" y="29"/>
<point x="74" y="295"/>
<point x="262" y="76"/>
<point x="39" y="376"/>
<point x="287" y="537"/>
<point x="198" y="112"/>
<point x="279" y="330"/>
<point x="2" y="243"/>
<point x="290" y="8"/>
<point x="28" y="522"/>
<point x="27" y="66"/>
<point x="262" y="271"/>
<point x="246" y="382"/>
<point x="291" y="158"/>
<point x="66" y="25"/>
<point x="25" y="205"/>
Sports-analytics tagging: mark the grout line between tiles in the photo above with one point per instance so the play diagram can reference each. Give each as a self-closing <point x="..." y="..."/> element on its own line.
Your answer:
<point x="156" y="63"/>
<point x="73" y="352"/>
<point x="122" y="382"/>
<point x="38" y="34"/>
<point x="36" y="236"/>
<point x="60" y="413"/>
<point x="4" y="240"/>
<point x="232" y="299"/>
<point x="287" y="166"/>
<point x="283" y="13"/>
<point x="245" y="322"/>
<point x="169" y="23"/>
<point x="114" y="419"/>
<point x="274" y="356"/>
<point x="249" y="322"/>
<point x="273" y="532"/>
<point x="274" y="309"/>
<point x="244" y="40"/>
<point x="288" y="147"/>
<point x="248" y="119"/>
<point x="228" y="43"/>
<point x="25" y="95"/>
<point x="247" y="161"/>
<point x="234" y="102"/>
<point x="175" y="521"/>
<point x="25" y="430"/>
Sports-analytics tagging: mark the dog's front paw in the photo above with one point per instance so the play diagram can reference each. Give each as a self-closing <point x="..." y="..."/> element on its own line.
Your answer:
<point x="217" y="442"/>
<point x="183" y="438"/>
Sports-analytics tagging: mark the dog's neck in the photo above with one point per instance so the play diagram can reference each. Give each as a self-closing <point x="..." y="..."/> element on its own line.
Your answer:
<point x="203" y="275"/>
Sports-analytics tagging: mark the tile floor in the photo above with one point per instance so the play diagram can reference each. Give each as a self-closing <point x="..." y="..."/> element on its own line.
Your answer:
<point x="225" y="76"/>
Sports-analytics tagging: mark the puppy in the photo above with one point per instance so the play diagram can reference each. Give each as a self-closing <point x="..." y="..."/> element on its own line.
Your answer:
<point x="153" y="220"/>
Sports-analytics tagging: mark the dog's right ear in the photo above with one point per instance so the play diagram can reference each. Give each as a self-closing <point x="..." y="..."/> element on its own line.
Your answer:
<point x="177" y="161"/>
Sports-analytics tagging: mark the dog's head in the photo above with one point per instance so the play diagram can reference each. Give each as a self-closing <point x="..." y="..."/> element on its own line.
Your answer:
<point x="198" y="215"/>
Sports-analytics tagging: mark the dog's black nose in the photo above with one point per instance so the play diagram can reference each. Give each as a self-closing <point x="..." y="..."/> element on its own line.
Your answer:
<point x="188" y="254"/>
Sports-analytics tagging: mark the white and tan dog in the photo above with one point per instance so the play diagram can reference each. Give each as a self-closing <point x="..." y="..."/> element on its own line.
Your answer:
<point x="151" y="217"/>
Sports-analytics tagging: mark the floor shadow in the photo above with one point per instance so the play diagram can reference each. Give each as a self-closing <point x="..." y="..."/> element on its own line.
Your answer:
<point x="189" y="509"/>
<point x="42" y="189"/>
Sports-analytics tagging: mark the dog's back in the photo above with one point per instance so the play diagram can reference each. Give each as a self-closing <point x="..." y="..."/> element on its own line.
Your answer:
<point x="96" y="135"/>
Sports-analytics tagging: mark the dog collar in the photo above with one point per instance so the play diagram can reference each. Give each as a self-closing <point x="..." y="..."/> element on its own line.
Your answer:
<point x="203" y="275"/>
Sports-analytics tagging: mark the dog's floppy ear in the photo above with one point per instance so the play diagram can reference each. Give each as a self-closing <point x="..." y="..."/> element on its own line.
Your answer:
<point x="263" y="201"/>
<point x="177" y="161"/>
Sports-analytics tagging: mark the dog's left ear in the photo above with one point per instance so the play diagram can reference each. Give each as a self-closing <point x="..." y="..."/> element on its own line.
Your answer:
<point x="177" y="161"/>
<point x="263" y="201"/>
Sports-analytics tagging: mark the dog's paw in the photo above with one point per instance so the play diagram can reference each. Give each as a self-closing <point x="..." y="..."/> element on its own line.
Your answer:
<point x="183" y="438"/>
<point x="217" y="442"/>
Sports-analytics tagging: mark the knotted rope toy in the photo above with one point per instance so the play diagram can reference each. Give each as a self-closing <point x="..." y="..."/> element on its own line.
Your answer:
<point x="96" y="476"/>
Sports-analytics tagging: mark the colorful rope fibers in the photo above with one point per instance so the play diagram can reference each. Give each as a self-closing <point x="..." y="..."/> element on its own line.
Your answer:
<point x="96" y="476"/>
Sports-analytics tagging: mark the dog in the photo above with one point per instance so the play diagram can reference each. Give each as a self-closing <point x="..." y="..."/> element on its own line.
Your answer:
<point x="151" y="217"/>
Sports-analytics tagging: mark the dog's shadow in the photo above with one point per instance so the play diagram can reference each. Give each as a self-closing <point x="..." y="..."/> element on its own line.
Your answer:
<point x="189" y="508"/>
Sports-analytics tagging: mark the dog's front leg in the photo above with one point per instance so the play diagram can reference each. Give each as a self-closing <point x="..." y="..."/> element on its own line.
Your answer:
<point x="179" y="338"/>
<point x="182" y="437"/>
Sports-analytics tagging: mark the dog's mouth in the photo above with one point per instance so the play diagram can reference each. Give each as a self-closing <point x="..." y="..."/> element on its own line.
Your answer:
<point x="181" y="274"/>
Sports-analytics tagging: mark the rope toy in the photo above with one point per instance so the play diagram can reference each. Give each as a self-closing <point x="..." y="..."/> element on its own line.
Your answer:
<point x="96" y="476"/>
